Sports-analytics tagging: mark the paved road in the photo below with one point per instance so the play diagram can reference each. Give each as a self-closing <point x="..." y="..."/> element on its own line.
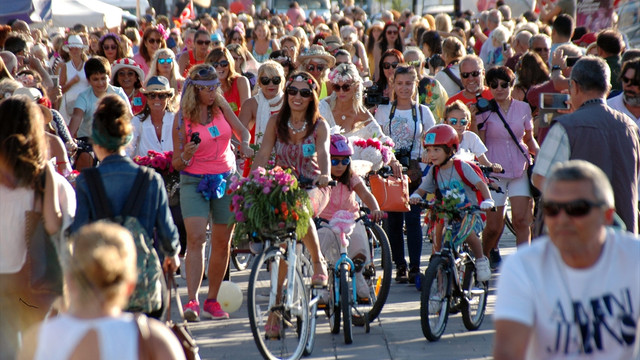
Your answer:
<point x="395" y="335"/>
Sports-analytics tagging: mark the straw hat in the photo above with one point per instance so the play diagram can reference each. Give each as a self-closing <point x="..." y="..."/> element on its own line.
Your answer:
<point x="74" y="41"/>
<point x="126" y="63"/>
<point x="158" y="84"/>
<point x="317" y="52"/>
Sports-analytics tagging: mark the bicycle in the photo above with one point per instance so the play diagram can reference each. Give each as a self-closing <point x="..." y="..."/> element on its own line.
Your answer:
<point x="450" y="282"/>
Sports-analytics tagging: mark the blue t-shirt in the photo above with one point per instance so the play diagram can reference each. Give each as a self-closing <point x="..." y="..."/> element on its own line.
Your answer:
<point x="87" y="102"/>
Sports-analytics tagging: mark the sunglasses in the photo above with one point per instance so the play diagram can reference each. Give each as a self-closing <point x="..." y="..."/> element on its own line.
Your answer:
<point x="293" y="91"/>
<point x="126" y="73"/>
<point x="206" y="71"/>
<point x="344" y="87"/>
<point x="336" y="162"/>
<point x="574" y="208"/>
<point x="276" y="80"/>
<point x="454" y="121"/>
<point x="154" y="41"/>
<point x="387" y="66"/>
<point x="629" y="82"/>
<point x="154" y="96"/>
<point x="216" y="43"/>
<point x="415" y="63"/>
<point x="223" y="63"/>
<point x="392" y="32"/>
<point x="109" y="47"/>
<point x="236" y="39"/>
<point x="503" y="85"/>
<point x="541" y="50"/>
<point x="313" y="68"/>
<point x="165" y="61"/>
<point x="475" y="73"/>
<point x="203" y="42"/>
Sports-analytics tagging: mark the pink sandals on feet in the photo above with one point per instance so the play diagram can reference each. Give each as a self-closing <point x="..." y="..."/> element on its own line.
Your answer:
<point x="320" y="278"/>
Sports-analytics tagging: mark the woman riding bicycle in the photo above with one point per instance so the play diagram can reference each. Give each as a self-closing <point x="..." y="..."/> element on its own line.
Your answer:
<point x="343" y="197"/>
<point x="441" y="143"/>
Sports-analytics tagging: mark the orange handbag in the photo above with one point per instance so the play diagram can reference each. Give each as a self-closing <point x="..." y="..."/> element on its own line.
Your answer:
<point x="391" y="193"/>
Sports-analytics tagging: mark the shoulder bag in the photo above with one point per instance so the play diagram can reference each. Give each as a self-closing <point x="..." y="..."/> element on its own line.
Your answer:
<point x="391" y="193"/>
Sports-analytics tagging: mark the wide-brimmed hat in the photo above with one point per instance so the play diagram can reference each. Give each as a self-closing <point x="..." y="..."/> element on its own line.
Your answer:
<point x="32" y="93"/>
<point x="126" y="63"/>
<point x="317" y="52"/>
<point x="158" y="84"/>
<point x="332" y="43"/>
<point x="74" y="41"/>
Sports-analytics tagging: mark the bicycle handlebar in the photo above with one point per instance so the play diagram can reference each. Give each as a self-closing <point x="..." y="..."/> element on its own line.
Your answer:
<point x="307" y="183"/>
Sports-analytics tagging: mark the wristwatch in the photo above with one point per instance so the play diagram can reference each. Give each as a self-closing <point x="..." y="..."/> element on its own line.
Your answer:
<point x="556" y="67"/>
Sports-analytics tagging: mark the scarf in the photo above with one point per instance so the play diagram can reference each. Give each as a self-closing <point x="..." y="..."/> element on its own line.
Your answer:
<point x="263" y="113"/>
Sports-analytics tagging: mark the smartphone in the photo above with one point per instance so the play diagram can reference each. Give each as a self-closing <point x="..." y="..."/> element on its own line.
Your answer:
<point x="56" y="80"/>
<point x="505" y="47"/>
<point x="571" y="60"/>
<point x="554" y="101"/>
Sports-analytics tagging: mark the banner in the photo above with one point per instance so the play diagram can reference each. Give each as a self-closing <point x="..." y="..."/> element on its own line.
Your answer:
<point x="595" y="15"/>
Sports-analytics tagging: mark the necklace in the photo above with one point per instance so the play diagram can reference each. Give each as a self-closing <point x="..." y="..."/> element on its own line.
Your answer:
<point x="294" y="130"/>
<point x="130" y="95"/>
<point x="79" y="66"/>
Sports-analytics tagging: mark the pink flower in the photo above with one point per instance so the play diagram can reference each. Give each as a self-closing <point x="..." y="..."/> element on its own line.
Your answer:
<point x="240" y="217"/>
<point x="281" y="224"/>
<point x="285" y="188"/>
<point x="266" y="190"/>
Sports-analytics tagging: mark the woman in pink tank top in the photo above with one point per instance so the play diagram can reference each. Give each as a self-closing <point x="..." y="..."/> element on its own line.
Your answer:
<point x="203" y="154"/>
<point x="300" y="138"/>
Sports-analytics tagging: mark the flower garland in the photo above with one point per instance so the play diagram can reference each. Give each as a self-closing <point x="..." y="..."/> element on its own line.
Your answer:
<point x="372" y="150"/>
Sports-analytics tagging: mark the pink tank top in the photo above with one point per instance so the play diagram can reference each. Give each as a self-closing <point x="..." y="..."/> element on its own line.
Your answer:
<point x="302" y="158"/>
<point x="214" y="154"/>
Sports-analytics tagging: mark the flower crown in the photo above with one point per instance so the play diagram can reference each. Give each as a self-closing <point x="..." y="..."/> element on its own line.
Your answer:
<point x="302" y="78"/>
<point x="341" y="74"/>
<point x="163" y="32"/>
<point x="106" y="36"/>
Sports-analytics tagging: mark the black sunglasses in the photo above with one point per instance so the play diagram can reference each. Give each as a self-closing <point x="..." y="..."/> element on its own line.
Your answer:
<point x="344" y="87"/>
<point x="336" y="162"/>
<point x="574" y="208"/>
<point x="223" y="63"/>
<point x="153" y="96"/>
<point x="387" y="66"/>
<point x="203" y="42"/>
<point x="293" y="91"/>
<point x="206" y="71"/>
<point x="276" y="80"/>
<point x="154" y="41"/>
<point x="312" y="68"/>
<point x="629" y="82"/>
<point x="503" y="85"/>
<point x="109" y="47"/>
<point x="467" y="74"/>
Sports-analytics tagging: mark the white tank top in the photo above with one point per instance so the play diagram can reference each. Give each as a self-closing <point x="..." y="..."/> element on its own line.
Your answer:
<point x="78" y="87"/>
<point x="117" y="337"/>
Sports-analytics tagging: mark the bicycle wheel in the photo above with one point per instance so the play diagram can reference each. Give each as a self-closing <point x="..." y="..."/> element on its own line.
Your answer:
<point x="345" y="302"/>
<point x="434" y="301"/>
<point x="333" y="309"/>
<point x="377" y="274"/>
<point x="289" y="335"/>
<point x="307" y="273"/>
<point x="241" y="258"/>
<point x="475" y="300"/>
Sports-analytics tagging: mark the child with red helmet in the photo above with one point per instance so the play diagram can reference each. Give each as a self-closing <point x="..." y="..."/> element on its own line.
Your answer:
<point x="343" y="197"/>
<point x="441" y="143"/>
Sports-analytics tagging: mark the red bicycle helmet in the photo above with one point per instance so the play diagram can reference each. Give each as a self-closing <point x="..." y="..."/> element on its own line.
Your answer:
<point x="340" y="146"/>
<point x="442" y="134"/>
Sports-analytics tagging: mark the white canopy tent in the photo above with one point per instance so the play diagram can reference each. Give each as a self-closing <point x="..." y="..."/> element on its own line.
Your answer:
<point x="67" y="13"/>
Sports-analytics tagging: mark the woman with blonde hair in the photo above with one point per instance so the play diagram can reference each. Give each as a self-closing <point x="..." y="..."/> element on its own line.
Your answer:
<point x="262" y="43"/>
<point x="318" y="63"/>
<point x="101" y="276"/>
<point x="257" y="110"/>
<point x="244" y="63"/>
<point x="164" y="64"/>
<point x="202" y="153"/>
<point x="303" y="40"/>
<point x="234" y="86"/>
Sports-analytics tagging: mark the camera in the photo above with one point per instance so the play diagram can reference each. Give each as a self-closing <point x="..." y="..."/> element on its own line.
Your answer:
<point x="571" y="60"/>
<point x="484" y="105"/>
<point x="505" y="47"/>
<point x="373" y="96"/>
<point x="195" y="137"/>
<point x="403" y="155"/>
<point x="436" y="61"/>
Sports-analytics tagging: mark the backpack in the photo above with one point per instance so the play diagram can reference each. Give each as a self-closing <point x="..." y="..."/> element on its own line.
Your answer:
<point x="147" y="296"/>
<point x="457" y="164"/>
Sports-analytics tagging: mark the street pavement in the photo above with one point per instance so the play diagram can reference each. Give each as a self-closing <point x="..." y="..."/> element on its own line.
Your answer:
<point x="396" y="334"/>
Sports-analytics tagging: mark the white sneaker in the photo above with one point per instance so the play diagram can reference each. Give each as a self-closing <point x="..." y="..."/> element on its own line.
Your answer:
<point x="483" y="272"/>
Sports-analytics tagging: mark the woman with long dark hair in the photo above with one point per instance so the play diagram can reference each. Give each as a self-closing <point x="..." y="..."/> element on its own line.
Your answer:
<point x="387" y="65"/>
<point x="389" y="39"/>
<point x="110" y="46"/>
<point x="152" y="40"/>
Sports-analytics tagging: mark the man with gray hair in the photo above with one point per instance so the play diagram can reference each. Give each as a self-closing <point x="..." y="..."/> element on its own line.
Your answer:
<point x="596" y="133"/>
<point x="628" y="102"/>
<point x="494" y="20"/>
<point x="520" y="45"/>
<point x="575" y="293"/>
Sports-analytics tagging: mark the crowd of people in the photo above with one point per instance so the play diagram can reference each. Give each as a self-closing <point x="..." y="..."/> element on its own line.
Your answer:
<point x="205" y="99"/>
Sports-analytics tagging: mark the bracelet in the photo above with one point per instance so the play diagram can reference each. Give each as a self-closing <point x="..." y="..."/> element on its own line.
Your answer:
<point x="186" y="162"/>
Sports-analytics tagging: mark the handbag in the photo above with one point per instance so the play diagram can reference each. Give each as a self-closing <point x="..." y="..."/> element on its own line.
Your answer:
<point x="391" y="193"/>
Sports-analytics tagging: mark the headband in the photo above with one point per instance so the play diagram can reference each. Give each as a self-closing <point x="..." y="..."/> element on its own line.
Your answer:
<point x="109" y="142"/>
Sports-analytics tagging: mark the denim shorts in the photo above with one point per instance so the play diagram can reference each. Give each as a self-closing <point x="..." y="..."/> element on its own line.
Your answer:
<point x="193" y="204"/>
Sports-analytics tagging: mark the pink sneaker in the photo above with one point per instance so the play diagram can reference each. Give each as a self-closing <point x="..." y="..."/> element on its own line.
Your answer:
<point x="192" y="311"/>
<point x="213" y="310"/>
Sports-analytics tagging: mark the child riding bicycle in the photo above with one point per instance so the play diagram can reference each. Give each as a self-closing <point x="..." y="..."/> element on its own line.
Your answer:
<point x="343" y="197"/>
<point x="441" y="143"/>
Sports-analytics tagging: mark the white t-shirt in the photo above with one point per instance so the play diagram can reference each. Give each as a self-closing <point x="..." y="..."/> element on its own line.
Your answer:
<point x="402" y="127"/>
<point x="567" y="307"/>
<point x="472" y="143"/>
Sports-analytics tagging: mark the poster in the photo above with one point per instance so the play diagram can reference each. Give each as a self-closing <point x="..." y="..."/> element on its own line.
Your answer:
<point x="595" y="15"/>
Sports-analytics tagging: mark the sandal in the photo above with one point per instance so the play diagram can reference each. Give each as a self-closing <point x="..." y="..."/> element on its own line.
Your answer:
<point x="320" y="278"/>
<point x="272" y="331"/>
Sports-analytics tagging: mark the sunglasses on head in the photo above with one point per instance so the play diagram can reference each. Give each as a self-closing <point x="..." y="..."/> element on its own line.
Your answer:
<point x="344" y="87"/>
<point x="629" y="82"/>
<point x="154" y="41"/>
<point x="336" y="162"/>
<point x="223" y="63"/>
<point x="293" y="91"/>
<point x="204" y="72"/>
<point x="574" y="208"/>
<point x="163" y="61"/>
<point x="313" y="68"/>
<point x="475" y="73"/>
<point x="454" y="121"/>
<point x="495" y="85"/>
<point x="203" y="42"/>
<point x="160" y="96"/>
<point x="387" y="66"/>
<point x="109" y="47"/>
<point x="265" y="80"/>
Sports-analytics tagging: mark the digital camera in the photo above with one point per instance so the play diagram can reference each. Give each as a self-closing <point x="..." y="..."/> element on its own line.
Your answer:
<point x="403" y="155"/>
<point x="373" y="96"/>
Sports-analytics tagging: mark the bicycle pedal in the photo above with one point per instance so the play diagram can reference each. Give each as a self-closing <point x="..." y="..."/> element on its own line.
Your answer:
<point x="358" y="262"/>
